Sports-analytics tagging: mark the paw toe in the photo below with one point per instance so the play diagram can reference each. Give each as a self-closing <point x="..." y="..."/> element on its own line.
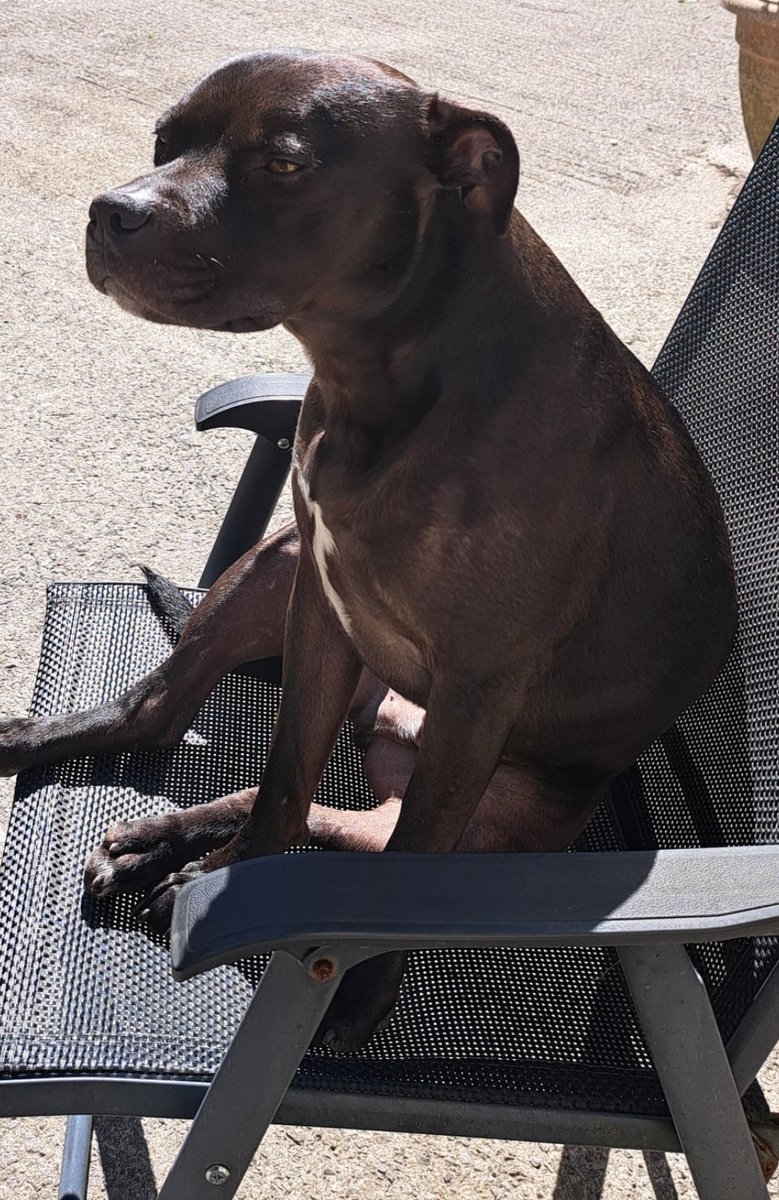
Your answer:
<point x="127" y="837"/>
<point x="156" y="908"/>
<point x="346" y="1033"/>
<point x="100" y="877"/>
<point x="97" y="880"/>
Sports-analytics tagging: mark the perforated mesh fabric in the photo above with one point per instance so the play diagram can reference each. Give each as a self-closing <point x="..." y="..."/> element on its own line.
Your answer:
<point x="85" y="990"/>
<point x="88" y="990"/>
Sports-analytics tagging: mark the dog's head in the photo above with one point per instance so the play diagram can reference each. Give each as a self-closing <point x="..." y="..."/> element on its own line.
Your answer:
<point x="289" y="185"/>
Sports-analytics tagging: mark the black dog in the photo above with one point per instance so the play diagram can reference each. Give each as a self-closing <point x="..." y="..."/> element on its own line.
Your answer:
<point x="498" y="513"/>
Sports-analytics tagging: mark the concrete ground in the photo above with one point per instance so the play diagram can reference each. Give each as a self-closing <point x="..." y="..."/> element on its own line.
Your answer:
<point x="627" y="118"/>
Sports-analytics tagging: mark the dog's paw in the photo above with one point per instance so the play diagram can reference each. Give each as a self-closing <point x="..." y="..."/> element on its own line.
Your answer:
<point x="156" y="909"/>
<point x="344" y="1033"/>
<point x="363" y="1005"/>
<point x="134" y="855"/>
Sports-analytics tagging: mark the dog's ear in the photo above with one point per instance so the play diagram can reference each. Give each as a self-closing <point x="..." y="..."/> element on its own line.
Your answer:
<point x="475" y="154"/>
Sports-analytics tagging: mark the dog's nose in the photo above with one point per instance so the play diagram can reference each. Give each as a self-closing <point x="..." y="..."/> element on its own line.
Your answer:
<point x="117" y="214"/>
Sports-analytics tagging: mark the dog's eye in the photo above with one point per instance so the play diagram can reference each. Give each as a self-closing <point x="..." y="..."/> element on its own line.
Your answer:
<point x="161" y="150"/>
<point x="282" y="166"/>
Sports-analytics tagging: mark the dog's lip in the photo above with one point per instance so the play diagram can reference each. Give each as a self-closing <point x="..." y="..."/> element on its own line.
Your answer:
<point x="110" y="286"/>
<point x="182" y="312"/>
<point x="121" y="295"/>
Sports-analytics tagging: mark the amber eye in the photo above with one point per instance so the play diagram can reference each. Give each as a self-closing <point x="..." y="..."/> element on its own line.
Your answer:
<point x="282" y="166"/>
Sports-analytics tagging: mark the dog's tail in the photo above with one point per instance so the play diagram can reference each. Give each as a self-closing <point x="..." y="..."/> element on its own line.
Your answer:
<point x="168" y="601"/>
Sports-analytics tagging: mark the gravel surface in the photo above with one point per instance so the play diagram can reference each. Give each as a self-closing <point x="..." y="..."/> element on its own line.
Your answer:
<point x="627" y="119"/>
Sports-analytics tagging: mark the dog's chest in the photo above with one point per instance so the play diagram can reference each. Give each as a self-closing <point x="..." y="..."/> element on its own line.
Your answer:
<point x="324" y="550"/>
<point x="360" y="587"/>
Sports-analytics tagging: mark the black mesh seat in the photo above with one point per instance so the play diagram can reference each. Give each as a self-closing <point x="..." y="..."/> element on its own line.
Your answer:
<point x="549" y="1027"/>
<point x="545" y="1027"/>
<point x="87" y="994"/>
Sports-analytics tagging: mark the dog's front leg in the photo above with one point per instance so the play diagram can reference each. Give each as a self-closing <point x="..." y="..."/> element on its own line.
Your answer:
<point x="465" y="732"/>
<point x="321" y="671"/>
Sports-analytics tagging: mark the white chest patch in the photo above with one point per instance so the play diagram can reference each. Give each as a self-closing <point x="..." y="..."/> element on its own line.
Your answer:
<point x="324" y="547"/>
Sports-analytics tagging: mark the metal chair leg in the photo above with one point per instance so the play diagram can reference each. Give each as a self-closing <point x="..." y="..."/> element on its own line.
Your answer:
<point x="684" y="1041"/>
<point x="74" y="1177"/>
<point x="252" y="1080"/>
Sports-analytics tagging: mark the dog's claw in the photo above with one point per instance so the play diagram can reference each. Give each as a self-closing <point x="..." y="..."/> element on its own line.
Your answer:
<point x="97" y="881"/>
<point x="156" y="909"/>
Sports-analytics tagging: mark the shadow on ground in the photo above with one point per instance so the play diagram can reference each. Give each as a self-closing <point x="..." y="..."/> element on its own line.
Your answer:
<point x="582" y="1173"/>
<point x="128" y="1173"/>
<point x="124" y="1157"/>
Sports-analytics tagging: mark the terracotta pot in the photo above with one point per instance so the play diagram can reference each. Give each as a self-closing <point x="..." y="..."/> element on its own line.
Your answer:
<point x="757" y="33"/>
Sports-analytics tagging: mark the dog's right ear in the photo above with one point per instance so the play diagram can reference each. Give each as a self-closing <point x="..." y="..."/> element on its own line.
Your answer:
<point x="475" y="154"/>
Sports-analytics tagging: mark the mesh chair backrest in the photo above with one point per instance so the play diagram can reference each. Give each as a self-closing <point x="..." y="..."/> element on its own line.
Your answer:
<point x="714" y="778"/>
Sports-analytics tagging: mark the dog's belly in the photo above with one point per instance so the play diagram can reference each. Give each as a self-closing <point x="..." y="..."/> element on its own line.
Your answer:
<point x="592" y="677"/>
<point x="392" y="656"/>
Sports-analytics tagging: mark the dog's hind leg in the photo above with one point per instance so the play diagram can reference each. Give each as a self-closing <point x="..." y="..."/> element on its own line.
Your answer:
<point x="241" y="618"/>
<point x="517" y="812"/>
<point x="135" y="855"/>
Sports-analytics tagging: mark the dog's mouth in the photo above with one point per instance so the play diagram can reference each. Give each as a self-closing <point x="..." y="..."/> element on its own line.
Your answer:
<point x="184" y="302"/>
<point x="111" y="287"/>
<point x="176" y="285"/>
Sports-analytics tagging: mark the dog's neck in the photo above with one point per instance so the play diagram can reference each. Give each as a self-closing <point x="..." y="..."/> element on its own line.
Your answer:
<point x="378" y="376"/>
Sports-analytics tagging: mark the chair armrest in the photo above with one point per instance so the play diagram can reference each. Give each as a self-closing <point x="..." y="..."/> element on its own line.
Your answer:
<point x="268" y="405"/>
<point x="366" y="904"/>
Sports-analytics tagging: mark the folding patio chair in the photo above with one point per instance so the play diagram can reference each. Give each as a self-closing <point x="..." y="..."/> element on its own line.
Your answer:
<point x="623" y="995"/>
